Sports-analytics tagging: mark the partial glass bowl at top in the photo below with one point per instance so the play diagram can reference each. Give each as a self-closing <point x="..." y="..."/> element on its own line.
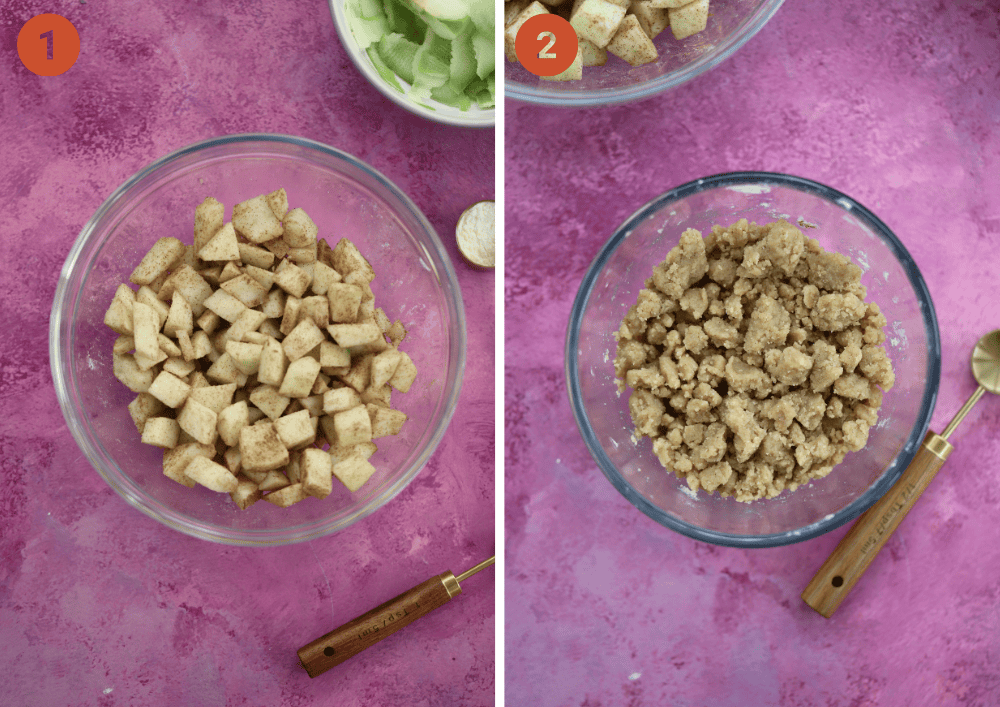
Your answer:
<point x="430" y="109"/>
<point x="414" y="283"/>
<point x="612" y="285"/>
<point x="730" y="24"/>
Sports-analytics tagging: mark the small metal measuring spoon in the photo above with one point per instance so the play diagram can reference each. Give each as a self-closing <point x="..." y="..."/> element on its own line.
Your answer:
<point x="851" y="558"/>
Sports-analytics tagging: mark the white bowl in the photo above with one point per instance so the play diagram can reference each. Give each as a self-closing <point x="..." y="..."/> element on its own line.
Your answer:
<point x="430" y="109"/>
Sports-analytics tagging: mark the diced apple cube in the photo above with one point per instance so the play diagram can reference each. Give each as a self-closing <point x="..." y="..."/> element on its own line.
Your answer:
<point x="176" y="460"/>
<point x="161" y="432"/>
<point x="272" y="480"/>
<point x="192" y="285"/>
<point x="597" y="21"/>
<point x="254" y="220"/>
<point x="223" y="245"/>
<point x="689" y="19"/>
<point x="198" y="421"/>
<point x="164" y="253"/>
<point x="146" y="326"/>
<point x="302" y="339"/>
<point x="340" y="399"/>
<point x="360" y="374"/>
<point x="591" y="54"/>
<point x="225" y="305"/>
<point x="248" y="322"/>
<point x="283" y="498"/>
<point x="652" y="20"/>
<point x="574" y="72"/>
<point x="208" y="218"/>
<point x="224" y="370"/>
<point x="269" y="401"/>
<point x="246" y="289"/>
<point x="245" y="356"/>
<point x="345" y="300"/>
<point x="353" y="472"/>
<point x="348" y="335"/>
<point x="246" y="493"/>
<point x="299" y="378"/>
<point x="316" y="470"/>
<point x="272" y="363"/>
<point x="405" y="373"/>
<point x="295" y="431"/>
<point x="169" y="389"/>
<point x="347" y="259"/>
<point x="211" y="475"/>
<point x="167" y="346"/>
<point x="179" y="318"/>
<point x="277" y="201"/>
<point x="300" y="230"/>
<point x="631" y="43"/>
<point x="144" y="407"/>
<point x="292" y="279"/>
<point x="385" y="421"/>
<point x="384" y="366"/>
<point x="333" y="356"/>
<point x="215" y="397"/>
<point x="255" y="255"/>
<point x="352" y="426"/>
<point x="316" y="308"/>
<point x="261" y="449"/>
<point x="148" y="297"/>
<point x="323" y="277"/>
<point x="119" y="314"/>
<point x="229" y="271"/>
<point x="128" y="372"/>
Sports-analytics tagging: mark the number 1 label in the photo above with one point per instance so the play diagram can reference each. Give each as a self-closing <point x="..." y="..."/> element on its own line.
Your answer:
<point x="39" y="50"/>
<point x="47" y="36"/>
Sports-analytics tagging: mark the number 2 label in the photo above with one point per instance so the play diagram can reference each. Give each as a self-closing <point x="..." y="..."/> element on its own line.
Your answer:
<point x="546" y="45"/>
<point x="544" y="54"/>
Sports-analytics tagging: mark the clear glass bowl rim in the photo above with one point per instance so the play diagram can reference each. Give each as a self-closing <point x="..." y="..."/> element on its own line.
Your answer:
<point x="637" y="92"/>
<point x="350" y="46"/>
<point x="61" y="325"/>
<point x="865" y="500"/>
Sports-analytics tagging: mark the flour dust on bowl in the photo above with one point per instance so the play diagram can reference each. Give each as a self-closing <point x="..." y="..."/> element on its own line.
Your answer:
<point x="415" y="283"/>
<point x="731" y="24"/>
<point x="611" y="286"/>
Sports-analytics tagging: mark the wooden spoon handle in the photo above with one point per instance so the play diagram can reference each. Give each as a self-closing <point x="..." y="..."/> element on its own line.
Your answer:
<point x="851" y="558"/>
<point x="384" y="620"/>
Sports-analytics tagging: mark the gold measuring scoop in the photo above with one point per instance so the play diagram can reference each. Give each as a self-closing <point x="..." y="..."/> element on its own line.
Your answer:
<point x="851" y="558"/>
<point x="382" y="621"/>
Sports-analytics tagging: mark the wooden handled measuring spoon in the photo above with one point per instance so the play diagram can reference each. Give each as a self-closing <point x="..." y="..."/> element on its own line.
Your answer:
<point x="856" y="551"/>
<point x="382" y="621"/>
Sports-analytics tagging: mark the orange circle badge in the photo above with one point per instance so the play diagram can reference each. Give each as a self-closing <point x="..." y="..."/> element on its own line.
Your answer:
<point x="48" y="44"/>
<point x="546" y="45"/>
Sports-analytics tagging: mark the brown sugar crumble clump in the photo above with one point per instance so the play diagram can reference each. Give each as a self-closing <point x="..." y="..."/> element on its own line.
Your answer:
<point x="754" y="362"/>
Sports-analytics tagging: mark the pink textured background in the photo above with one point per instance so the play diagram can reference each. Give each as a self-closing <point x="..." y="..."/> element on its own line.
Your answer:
<point x="897" y="104"/>
<point x="100" y="605"/>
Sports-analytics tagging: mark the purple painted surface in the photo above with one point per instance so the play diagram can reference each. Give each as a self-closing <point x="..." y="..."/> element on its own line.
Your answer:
<point x="896" y="104"/>
<point x="100" y="605"/>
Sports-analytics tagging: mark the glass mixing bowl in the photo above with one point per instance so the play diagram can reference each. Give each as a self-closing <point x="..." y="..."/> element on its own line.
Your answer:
<point x="611" y="286"/>
<point x="415" y="283"/>
<point x="730" y="24"/>
<point x="430" y="109"/>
